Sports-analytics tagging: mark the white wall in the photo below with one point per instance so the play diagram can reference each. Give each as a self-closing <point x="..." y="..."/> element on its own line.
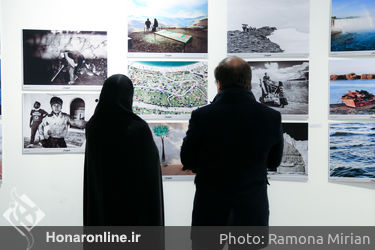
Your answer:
<point x="54" y="182"/>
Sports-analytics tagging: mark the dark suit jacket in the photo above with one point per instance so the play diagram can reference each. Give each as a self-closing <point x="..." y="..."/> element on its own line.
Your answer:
<point x="229" y="144"/>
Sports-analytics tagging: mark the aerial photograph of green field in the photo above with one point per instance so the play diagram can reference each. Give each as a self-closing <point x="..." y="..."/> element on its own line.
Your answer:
<point x="168" y="89"/>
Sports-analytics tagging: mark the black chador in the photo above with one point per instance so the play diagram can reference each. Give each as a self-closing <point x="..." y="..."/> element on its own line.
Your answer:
<point x="122" y="179"/>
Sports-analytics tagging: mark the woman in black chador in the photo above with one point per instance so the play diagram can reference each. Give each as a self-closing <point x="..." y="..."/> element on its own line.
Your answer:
<point x="122" y="180"/>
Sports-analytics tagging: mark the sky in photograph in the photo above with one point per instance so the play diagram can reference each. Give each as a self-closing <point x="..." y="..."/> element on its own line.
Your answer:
<point x="346" y="8"/>
<point x="362" y="66"/>
<point x="169" y="8"/>
<point x="281" y="14"/>
<point x="276" y="72"/>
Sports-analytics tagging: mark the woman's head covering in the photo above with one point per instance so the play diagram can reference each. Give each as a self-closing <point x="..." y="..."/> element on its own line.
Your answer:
<point x="117" y="93"/>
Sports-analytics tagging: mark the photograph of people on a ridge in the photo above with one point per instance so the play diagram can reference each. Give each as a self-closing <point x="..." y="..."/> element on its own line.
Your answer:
<point x="167" y="26"/>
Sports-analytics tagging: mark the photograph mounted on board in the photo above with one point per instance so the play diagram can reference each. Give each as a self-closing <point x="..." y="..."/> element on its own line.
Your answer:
<point x="1" y="154"/>
<point x="294" y="162"/>
<point x="282" y="85"/>
<point x="167" y="26"/>
<point x="352" y="151"/>
<point x="352" y="27"/>
<point x="55" y="123"/>
<point x="352" y="87"/>
<point x="0" y="78"/>
<point x="268" y="27"/>
<point x="168" y="138"/>
<point x="168" y="89"/>
<point x="64" y="58"/>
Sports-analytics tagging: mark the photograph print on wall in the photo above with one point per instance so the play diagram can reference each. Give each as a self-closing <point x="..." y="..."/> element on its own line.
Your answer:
<point x="55" y="123"/>
<point x="352" y="88"/>
<point x="294" y="163"/>
<point x="352" y="27"/>
<point x="282" y="85"/>
<point x="168" y="89"/>
<point x="352" y="151"/>
<point x="64" y="58"/>
<point x="167" y="26"/>
<point x="268" y="27"/>
<point x="168" y="138"/>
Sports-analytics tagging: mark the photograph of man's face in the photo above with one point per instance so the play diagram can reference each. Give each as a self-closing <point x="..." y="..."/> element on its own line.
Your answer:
<point x="56" y="108"/>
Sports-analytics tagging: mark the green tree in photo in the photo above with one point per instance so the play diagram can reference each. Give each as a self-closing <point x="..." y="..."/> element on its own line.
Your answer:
<point x="162" y="132"/>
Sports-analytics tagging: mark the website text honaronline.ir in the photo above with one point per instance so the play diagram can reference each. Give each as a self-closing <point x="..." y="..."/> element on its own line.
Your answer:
<point x="105" y="237"/>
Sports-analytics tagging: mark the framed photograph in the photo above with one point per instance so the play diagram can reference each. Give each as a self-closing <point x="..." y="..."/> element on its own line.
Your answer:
<point x="1" y="154"/>
<point x="55" y="123"/>
<point x="61" y="59"/>
<point x="168" y="138"/>
<point x="294" y="164"/>
<point x="167" y="28"/>
<point x="352" y="28"/>
<point x="282" y="85"/>
<point x="0" y="79"/>
<point x="352" y="89"/>
<point x="351" y="151"/>
<point x="168" y="89"/>
<point x="268" y="28"/>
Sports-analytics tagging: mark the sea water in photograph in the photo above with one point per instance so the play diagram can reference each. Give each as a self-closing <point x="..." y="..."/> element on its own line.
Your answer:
<point x="352" y="150"/>
<point x="340" y="90"/>
<point x="352" y="25"/>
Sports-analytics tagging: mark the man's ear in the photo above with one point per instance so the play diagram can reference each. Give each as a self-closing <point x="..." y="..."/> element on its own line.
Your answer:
<point x="218" y="84"/>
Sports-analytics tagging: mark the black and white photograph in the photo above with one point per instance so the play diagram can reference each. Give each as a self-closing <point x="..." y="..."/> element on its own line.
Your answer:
<point x="294" y="163"/>
<point x="55" y="123"/>
<point x="268" y="27"/>
<point x="282" y="85"/>
<point x="168" y="138"/>
<point x="61" y="59"/>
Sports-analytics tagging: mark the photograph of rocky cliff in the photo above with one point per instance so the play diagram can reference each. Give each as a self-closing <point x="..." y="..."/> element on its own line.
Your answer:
<point x="61" y="57"/>
<point x="352" y="26"/>
<point x="166" y="26"/>
<point x="268" y="27"/>
<point x="352" y="87"/>
<point x="294" y="162"/>
<point x="282" y="85"/>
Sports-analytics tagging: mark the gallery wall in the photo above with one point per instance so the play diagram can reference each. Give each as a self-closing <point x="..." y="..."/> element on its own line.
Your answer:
<point x="55" y="181"/>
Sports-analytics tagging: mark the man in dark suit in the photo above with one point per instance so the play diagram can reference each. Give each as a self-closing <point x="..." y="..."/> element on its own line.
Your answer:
<point x="230" y="144"/>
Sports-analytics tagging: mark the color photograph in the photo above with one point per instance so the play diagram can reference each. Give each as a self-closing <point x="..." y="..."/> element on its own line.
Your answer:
<point x="0" y="78"/>
<point x="168" y="138"/>
<point x="1" y="154"/>
<point x="55" y="123"/>
<point x="168" y="89"/>
<point x="294" y="162"/>
<point x="282" y="85"/>
<point x="167" y="26"/>
<point x="268" y="27"/>
<point x="352" y="26"/>
<point x="64" y="58"/>
<point x="352" y="150"/>
<point x="352" y="87"/>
